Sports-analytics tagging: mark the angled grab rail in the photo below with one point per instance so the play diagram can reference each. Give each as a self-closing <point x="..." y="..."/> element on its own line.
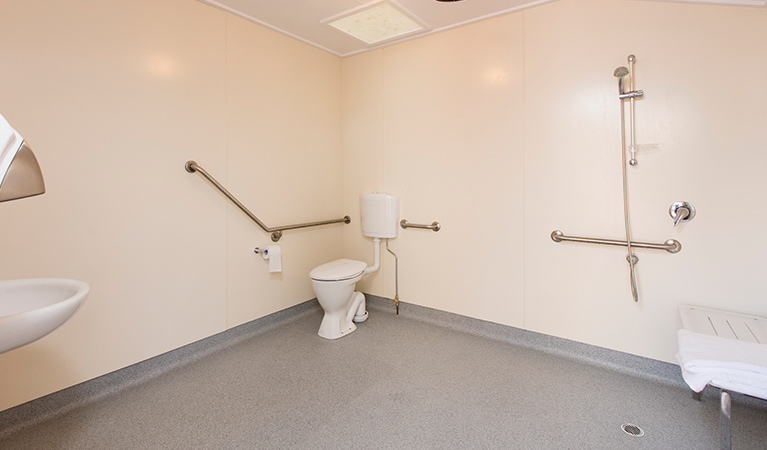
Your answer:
<point x="191" y="167"/>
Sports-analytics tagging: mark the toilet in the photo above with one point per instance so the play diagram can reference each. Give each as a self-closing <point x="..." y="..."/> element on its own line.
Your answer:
<point x="334" y="282"/>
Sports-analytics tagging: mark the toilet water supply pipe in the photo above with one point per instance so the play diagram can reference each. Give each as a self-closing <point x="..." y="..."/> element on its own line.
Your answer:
<point x="396" y="277"/>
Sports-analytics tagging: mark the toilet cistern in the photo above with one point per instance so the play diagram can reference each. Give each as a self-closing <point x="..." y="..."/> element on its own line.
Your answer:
<point x="334" y="282"/>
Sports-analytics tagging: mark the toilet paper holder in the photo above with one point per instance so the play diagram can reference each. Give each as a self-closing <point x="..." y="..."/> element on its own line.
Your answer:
<point x="273" y="254"/>
<point x="261" y="251"/>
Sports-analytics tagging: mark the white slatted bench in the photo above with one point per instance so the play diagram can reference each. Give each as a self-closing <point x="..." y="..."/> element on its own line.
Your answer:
<point x="726" y="350"/>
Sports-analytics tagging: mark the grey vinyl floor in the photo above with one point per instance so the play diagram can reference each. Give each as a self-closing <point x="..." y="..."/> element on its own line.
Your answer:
<point x="395" y="383"/>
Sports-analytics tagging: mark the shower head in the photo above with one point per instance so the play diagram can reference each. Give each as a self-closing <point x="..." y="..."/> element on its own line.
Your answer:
<point x="621" y="72"/>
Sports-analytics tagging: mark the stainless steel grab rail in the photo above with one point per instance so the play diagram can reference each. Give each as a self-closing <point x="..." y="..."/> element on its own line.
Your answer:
<point x="671" y="245"/>
<point x="191" y="167"/>
<point x="434" y="225"/>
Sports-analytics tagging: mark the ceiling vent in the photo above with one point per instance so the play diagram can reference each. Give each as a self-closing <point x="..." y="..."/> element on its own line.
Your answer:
<point x="377" y="22"/>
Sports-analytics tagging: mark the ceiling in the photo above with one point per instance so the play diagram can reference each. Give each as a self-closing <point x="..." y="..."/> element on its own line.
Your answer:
<point x="303" y="19"/>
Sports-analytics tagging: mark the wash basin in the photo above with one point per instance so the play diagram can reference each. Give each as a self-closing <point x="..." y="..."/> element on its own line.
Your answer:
<point x="32" y="308"/>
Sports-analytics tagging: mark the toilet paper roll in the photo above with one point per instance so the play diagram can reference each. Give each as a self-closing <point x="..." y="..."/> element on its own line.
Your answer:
<point x="273" y="253"/>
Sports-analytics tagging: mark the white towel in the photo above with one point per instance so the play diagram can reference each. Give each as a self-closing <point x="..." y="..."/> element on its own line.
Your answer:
<point x="725" y="363"/>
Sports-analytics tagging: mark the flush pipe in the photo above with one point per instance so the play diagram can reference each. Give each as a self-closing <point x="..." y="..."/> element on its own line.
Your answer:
<point x="377" y="257"/>
<point x="358" y="310"/>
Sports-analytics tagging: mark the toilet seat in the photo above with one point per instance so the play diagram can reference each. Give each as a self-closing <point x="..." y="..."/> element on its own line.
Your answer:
<point x="338" y="270"/>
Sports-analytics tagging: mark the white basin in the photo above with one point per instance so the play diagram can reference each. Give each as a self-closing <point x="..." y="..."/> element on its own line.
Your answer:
<point x="32" y="308"/>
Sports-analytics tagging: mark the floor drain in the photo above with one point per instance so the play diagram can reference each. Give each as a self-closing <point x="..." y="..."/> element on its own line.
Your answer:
<point x="632" y="430"/>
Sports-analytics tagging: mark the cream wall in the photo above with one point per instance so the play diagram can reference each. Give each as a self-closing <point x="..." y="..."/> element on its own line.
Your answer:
<point x="503" y="131"/>
<point x="709" y="122"/>
<point x="442" y="128"/>
<point x="114" y="98"/>
<point x="509" y="129"/>
<point x="284" y="162"/>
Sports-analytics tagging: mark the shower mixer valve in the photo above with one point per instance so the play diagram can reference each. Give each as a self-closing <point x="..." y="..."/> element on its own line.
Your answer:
<point x="681" y="212"/>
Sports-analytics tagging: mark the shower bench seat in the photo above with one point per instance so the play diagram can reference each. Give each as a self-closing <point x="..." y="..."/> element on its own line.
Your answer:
<point x="725" y="350"/>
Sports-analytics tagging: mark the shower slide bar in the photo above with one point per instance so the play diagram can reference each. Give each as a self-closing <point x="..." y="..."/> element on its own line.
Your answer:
<point x="192" y="167"/>
<point x="434" y="225"/>
<point x="671" y="245"/>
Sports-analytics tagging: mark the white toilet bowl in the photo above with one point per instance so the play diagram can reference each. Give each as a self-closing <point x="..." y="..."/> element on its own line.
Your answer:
<point x="334" y="284"/>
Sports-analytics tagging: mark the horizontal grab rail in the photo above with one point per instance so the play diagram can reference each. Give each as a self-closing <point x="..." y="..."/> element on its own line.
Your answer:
<point x="192" y="167"/>
<point x="671" y="245"/>
<point x="434" y="225"/>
